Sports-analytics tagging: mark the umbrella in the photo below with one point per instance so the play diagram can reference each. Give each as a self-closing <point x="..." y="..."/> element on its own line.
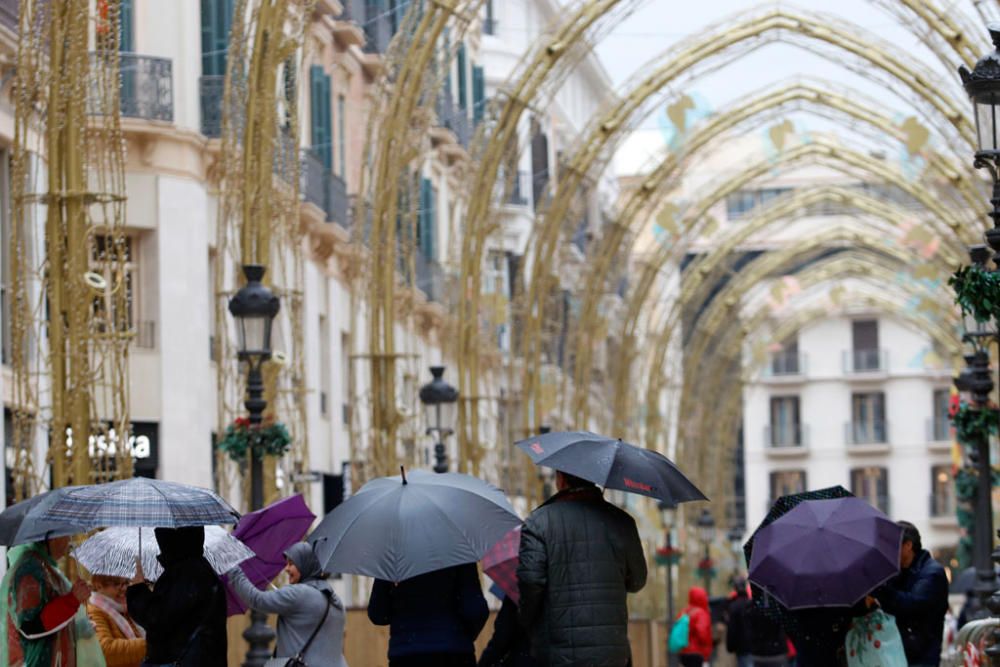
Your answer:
<point x="826" y="553"/>
<point x="963" y="582"/>
<point x="500" y="564"/>
<point x="112" y="552"/>
<point x="139" y="502"/>
<point x="613" y="464"/>
<point x="269" y="532"/>
<point x="396" y="528"/>
<point x="21" y="520"/>
<point x="797" y="627"/>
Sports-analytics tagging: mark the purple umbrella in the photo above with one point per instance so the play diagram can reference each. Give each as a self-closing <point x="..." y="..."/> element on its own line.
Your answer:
<point x="826" y="553"/>
<point x="269" y="532"/>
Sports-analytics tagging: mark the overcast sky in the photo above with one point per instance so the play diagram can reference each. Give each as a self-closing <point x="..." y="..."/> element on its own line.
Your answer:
<point x="656" y="25"/>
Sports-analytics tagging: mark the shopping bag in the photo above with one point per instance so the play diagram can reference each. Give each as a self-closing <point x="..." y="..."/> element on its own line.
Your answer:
<point x="874" y="641"/>
<point x="679" y="634"/>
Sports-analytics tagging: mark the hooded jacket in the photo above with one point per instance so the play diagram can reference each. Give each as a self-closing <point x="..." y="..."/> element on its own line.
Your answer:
<point x="699" y="624"/>
<point x="300" y="608"/>
<point x="187" y="597"/>
<point x="579" y="557"/>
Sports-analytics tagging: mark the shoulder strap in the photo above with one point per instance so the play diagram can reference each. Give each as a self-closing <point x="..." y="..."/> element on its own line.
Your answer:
<point x="326" y="612"/>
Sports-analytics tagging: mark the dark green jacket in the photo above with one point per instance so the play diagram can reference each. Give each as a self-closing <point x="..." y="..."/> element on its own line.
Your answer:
<point x="579" y="557"/>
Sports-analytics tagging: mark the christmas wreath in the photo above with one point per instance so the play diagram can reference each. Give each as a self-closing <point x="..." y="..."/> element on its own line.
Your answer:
<point x="269" y="439"/>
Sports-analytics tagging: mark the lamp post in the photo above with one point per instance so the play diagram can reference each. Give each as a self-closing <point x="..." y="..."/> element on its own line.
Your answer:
<point x="735" y="537"/>
<point x="668" y="556"/>
<point x="254" y="308"/>
<point x="706" y="531"/>
<point x="439" y="399"/>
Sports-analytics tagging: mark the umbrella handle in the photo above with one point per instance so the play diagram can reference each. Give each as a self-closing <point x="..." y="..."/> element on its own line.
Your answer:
<point x="140" y="547"/>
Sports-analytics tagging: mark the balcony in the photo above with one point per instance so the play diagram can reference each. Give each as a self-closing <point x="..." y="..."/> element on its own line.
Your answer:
<point x="520" y="189"/>
<point x="942" y="506"/>
<point x="430" y="277"/>
<point x="147" y="88"/>
<point x="862" y="361"/>
<point x="453" y="118"/>
<point x="939" y="432"/>
<point x="786" y="366"/>
<point x="211" y="90"/>
<point x="867" y="436"/>
<point x="786" y="439"/>
<point x="325" y="189"/>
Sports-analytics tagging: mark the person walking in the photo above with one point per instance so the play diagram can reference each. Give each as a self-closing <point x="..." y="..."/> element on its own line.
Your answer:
<point x="311" y="617"/>
<point x="509" y="646"/>
<point x="433" y="618"/>
<point x="918" y="599"/>
<point x="40" y="608"/>
<point x="738" y="634"/>
<point x="184" y="613"/>
<point x="699" y="646"/>
<point x="579" y="557"/>
<point x="122" y="641"/>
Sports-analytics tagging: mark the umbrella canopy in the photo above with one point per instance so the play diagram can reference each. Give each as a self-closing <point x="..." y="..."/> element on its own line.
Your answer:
<point x="21" y="521"/>
<point x="826" y="553"/>
<point x="269" y="532"/>
<point x="398" y="527"/>
<point x="613" y="464"/>
<point x="112" y="552"/>
<point x="139" y="502"/>
<point x="501" y="561"/>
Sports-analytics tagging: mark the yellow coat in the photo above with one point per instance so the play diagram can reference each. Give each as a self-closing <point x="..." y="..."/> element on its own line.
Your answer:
<point x="118" y="651"/>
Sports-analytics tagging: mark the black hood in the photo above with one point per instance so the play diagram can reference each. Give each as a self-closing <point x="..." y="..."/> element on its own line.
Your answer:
<point x="177" y="544"/>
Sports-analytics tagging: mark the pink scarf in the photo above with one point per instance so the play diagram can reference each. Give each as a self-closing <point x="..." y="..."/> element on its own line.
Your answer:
<point x="116" y="612"/>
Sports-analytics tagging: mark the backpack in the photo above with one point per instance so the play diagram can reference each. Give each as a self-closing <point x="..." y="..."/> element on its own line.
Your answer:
<point x="874" y="641"/>
<point x="679" y="634"/>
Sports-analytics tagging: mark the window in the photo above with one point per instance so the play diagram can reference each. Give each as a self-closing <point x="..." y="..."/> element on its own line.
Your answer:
<point x="463" y="101"/>
<point x="397" y="12"/>
<point x="539" y="162"/>
<point x="786" y="430"/>
<point x="941" y="424"/>
<point x="740" y="203"/>
<point x="866" y="351"/>
<point x="345" y="378"/>
<point x="478" y="94"/>
<point x="216" y="19"/>
<point x="427" y="219"/>
<point x="490" y="24"/>
<point x="107" y="306"/>
<point x="871" y="484"/>
<point x="786" y="361"/>
<point x="787" y="482"/>
<point x="769" y="194"/>
<point x="319" y="90"/>
<point x="943" y="494"/>
<point x="213" y="325"/>
<point x="341" y="137"/>
<point x="126" y="29"/>
<point x="867" y="418"/>
<point x="324" y="364"/>
<point x="6" y="341"/>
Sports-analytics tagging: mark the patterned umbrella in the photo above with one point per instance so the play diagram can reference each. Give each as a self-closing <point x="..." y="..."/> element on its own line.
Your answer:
<point x="112" y="552"/>
<point x="139" y="502"/>
<point x="21" y="520"/>
<point x="500" y="564"/>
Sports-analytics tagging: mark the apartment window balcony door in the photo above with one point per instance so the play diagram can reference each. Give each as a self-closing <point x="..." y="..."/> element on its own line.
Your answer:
<point x="872" y="485"/>
<point x="868" y="418"/>
<point x="785" y="423"/>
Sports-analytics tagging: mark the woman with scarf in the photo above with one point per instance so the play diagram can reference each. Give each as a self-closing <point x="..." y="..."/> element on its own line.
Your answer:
<point x="307" y="609"/>
<point x="43" y="617"/>
<point x="122" y="641"/>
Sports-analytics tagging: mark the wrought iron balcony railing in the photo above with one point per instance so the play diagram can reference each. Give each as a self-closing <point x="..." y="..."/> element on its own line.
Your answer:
<point x="874" y="432"/>
<point x="210" y="91"/>
<point x="325" y="189"/>
<point x="779" y="436"/>
<point x="147" y="88"/>
<point x="866" y="361"/>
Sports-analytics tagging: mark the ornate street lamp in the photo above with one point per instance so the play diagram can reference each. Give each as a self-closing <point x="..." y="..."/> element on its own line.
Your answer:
<point x="254" y="308"/>
<point x="983" y="86"/>
<point x="667" y="556"/>
<point x="439" y="399"/>
<point x="706" y="531"/>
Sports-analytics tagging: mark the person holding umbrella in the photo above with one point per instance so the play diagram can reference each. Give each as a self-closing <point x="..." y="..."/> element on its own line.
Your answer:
<point x="311" y="617"/>
<point x="42" y="612"/>
<point x="184" y="613"/>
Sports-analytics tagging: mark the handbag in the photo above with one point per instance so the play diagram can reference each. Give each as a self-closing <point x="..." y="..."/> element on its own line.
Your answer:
<point x="679" y="634"/>
<point x="874" y="641"/>
<point x="298" y="660"/>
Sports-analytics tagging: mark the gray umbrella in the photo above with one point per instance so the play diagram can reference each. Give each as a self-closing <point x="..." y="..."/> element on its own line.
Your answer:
<point x="613" y="464"/>
<point x="395" y="528"/>
<point x="22" y="522"/>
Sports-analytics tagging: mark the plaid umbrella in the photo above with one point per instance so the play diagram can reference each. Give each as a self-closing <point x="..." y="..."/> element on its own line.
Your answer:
<point x="20" y="521"/>
<point x="139" y="502"/>
<point x="500" y="563"/>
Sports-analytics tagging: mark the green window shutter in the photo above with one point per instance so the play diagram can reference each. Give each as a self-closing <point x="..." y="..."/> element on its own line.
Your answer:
<point x="319" y="107"/>
<point x="126" y="27"/>
<point x="216" y="19"/>
<point x="426" y="220"/>
<point x="478" y="93"/>
<point x="462" y="84"/>
<point x="341" y="137"/>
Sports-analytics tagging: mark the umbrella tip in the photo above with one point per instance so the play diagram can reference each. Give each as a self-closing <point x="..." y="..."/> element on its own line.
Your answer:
<point x="402" y="471"/>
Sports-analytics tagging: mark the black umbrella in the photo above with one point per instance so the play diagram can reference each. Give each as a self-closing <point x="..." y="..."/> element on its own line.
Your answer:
<point x="802" y="626"/>
<point x="20" y="522"/>
<point x="613" y="464"/>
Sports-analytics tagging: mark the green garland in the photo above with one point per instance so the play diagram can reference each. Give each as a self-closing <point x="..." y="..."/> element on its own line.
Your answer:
<point x="977" y="292"/>
<point x="267" y="440"/>
<point x="971" y="424"/>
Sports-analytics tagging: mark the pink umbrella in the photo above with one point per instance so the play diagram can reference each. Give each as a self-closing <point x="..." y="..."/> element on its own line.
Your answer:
<point x="500" y="563"/>
<point x="269" y="532"/>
